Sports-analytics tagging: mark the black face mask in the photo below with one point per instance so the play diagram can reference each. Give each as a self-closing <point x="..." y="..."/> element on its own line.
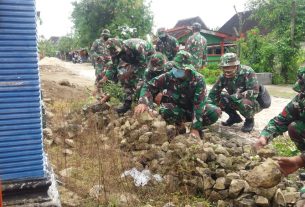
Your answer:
<point x="163" y="38"/>
<point x="105" y="38"/>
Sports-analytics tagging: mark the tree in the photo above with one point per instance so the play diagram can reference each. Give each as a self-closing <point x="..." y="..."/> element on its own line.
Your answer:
<point x="46" y="48"/>
<point x="285" y="19"/>
<point x="91" y="16"/>
<point x="67" y="44"/>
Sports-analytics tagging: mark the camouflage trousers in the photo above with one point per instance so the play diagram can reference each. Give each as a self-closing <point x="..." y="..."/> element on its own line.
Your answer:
<point x="98" y="68"/>
<point x="174" y="114"/>
<point x="132" y="84"/>
<point x="296" y="131"/>
<point x="246" y="107"/>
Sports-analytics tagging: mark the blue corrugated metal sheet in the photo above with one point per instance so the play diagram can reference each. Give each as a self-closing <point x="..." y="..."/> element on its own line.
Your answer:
<point x="21" y="155"/>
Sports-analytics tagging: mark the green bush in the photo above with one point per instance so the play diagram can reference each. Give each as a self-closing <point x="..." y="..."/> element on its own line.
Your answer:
<point x="115" y="91"/>
<point x="285" y="147"/>
<point x="210" y="74"/>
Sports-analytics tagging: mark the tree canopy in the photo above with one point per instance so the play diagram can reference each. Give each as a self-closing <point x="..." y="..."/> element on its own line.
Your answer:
<point x="278" y="51"/>
<point x="90" y="17"/>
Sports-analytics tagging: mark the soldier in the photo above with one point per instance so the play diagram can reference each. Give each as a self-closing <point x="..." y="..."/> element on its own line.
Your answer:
<point x="197" y="46"/>
<point x="291" y="119"/>
<point x="156" y="66"/>
<point x="98" y="51"/>
<point x="130" y="58"/>
<point x="166" y="44"/>
<point x="183" y="96"/>
<point x="242" y="89"/>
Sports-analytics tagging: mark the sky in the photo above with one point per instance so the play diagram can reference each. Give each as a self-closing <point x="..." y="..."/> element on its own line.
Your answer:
<point x="56" y="21"/>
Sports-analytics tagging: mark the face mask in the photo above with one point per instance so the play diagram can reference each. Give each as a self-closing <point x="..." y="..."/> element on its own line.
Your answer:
<point x="178" y="73"/>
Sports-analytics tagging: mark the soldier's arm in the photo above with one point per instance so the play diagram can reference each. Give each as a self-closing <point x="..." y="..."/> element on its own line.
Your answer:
<point x="252" y="86"/>
<point x="107" y="67"/>
<point x="279" y="124"/>
<point x="111" y="70"/>
<point x="199" y="104"/>
<point x="214" y="94"/>
<point x="175" y="46"/>
<point x="151" y="87"/>
<point x="94" y="49"/>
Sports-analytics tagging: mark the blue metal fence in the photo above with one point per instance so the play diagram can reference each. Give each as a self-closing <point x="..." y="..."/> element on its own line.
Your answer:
<point x="21" y="153"/>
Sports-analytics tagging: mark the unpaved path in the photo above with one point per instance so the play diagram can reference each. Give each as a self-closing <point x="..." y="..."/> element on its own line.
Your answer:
<point x="83" y="75"/>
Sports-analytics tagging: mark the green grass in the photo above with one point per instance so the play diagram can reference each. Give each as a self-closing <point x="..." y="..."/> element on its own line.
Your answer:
<point x="285" y="147"/>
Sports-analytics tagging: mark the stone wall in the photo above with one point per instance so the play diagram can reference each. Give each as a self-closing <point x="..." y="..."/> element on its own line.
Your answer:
<point x="264" y="78"/>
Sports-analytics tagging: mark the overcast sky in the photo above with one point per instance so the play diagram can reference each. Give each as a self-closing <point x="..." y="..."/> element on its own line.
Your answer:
<point x="55" y="14"/>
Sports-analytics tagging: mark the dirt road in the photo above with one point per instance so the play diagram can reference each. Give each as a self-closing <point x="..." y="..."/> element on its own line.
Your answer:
<point x="83" y="75"/>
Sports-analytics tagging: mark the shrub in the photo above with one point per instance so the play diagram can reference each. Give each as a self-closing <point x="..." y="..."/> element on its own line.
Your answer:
<point x="211" y="73"/>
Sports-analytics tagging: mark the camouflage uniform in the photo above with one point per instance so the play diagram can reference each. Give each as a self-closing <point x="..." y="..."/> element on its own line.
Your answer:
<point x="197" y="46"/>
<point x="100" y="54"/>
<point x="241" y="92"/>
<point x="292" y="118"/>
<point x="156" y="66"/>
<point x="166" y="44"/>
<point x="133" y="55"/>
<point x="183" y="99"/>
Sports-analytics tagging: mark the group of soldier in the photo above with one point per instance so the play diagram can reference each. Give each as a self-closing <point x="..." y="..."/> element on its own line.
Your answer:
<point x="166" y="79"/>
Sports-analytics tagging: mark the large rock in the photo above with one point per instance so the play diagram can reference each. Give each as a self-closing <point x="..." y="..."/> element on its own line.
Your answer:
<point x="220" y="183"/>
<point x="266" y="175"/>
<point x="236" y="188"/>
<point x="261" y="201"/>
<point x="224" y="161"/>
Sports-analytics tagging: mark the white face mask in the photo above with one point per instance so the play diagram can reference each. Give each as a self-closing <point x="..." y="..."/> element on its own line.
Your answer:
<point x="178" y="73"/>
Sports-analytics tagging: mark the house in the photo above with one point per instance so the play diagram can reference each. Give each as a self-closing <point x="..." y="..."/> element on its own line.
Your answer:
<point x="218" y="43"/>
<point x="232" y="26"/>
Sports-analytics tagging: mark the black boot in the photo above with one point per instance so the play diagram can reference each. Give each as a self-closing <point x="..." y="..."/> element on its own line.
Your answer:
<point x="233" y="118"/>
<point x="123" y="109"/>
<point x="248" y="125"/>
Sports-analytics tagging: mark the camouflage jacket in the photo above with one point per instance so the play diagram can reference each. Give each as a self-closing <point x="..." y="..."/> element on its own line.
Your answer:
<point x="99" y="49"/>
<point x="135" y="52"/>
<point x="243" y="85"/>
<point x="189" y="94"/>
<point x="169" y="47"/>
<point x="293" y="111"/>
<point x="197" y="46"/>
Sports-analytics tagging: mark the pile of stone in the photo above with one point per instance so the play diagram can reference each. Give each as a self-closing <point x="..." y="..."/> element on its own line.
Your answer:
<point x="224" y="171"/>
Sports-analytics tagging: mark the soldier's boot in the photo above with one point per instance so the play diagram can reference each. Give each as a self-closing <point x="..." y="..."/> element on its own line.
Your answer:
<point x="248" y="125"/>
<point x="234" y="118"/>
<point x="126" y="106"/>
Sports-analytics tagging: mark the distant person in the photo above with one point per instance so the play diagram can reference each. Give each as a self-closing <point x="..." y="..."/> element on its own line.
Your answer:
<point x="166" y="44"/>
<point x="99" y="51"/>
<point x="183" y="97"/>
<point x="241" y="91"/>
<point x="197" y="46"/>
<point x="291" y="119"/>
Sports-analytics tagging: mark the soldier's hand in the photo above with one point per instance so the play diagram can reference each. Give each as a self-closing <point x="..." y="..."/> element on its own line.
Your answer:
<point x="261" y="142"/>
<point x="158" y="98"/>
<point x="195" y="133"/>
<point x="140" y="109"/>
<point x="289" y="165"/>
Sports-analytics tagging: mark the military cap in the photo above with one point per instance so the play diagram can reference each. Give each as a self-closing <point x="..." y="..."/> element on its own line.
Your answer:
<point x="105" y="32"/>
<point x="161" y="32"/>
<point x="229" y="59"/>
<point x="182" y="59"/>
